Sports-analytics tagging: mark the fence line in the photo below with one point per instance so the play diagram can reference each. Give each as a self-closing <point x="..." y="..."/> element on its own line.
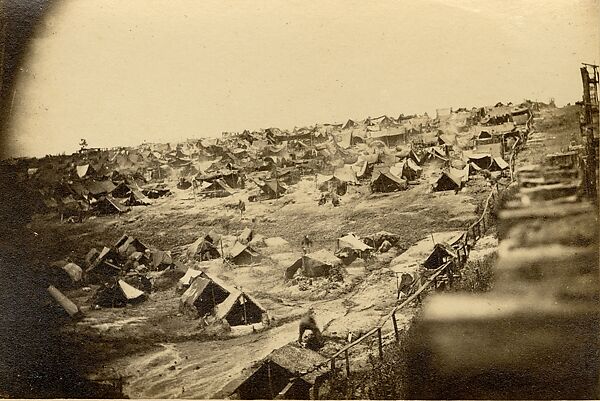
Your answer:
<point x="467" y="240"/>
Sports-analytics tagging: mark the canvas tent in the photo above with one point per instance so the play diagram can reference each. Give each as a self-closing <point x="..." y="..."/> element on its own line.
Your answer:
<point x="315" y="264"/>
<point x="276" y="376"/>
<point x="240" y="309"/>
<point x="451" y="179"/>
<point x="442" y="253"/>
<point x="117" y="295"/>
<point x="349" y="247"/>
<point x="218" y="189"/>
<point x="84" y="170"/>
<point x="242" y="254"/>
<point x="109" y="205"/>
<point x="273" y="188"/>
<point x="481" y="160"/>
<point x="351" y="241"/>
<point x="126" y="245"/>
<point x="498" y="164"/>
<point x="387" y="182"/>
<point x="203" y="249"/>
<point x="188" y="277"/>
<point x="411" y="170"/>
<point x="202" y="296"/>
<point x="211" y="296"/>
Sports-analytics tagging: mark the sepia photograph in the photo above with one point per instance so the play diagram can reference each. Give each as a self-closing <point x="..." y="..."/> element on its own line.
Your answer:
<point x="267" y="199"/>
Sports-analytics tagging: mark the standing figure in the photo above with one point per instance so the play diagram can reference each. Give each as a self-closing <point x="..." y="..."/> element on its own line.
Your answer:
<point x="306" y="242"/>
<point x="242" y="207"/>
<point x="308" y="322"/>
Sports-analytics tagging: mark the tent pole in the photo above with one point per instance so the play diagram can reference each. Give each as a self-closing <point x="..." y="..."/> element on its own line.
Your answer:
<point x="244" y="304"/>
<point x="270" y="379"/>
<point x="212" y="290"/>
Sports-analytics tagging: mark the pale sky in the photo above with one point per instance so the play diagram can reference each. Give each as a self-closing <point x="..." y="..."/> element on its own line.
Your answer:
<point x="122" y="72"/>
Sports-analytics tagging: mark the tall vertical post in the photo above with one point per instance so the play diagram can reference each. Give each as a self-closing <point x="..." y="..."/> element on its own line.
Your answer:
<point x="380" y="342"/>
<point x="347" y="363"/>
<point x="270" y="380"/>
<point x="395" y="327"/>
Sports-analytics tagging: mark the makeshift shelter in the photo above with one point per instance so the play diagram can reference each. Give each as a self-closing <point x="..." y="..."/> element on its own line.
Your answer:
<point x="189" y="276"/>
<point x="104" y="263"/>
<point x="387" y="182"/>
<point x="331" y="183"/>
<point x="451" y="179"/>
<point x="442" y="253"/>
<point x="110" y="205"/>
<point x="160" y="260"/>
<point x="498" y="164"/>
<point x="351" y="241"/>
<point x="136" y="198"/>
<point x="217" y="189"/>
<point x="203" y="249"/>
<point x="202" y="296"/>
<point x="272" y="188"/>
<point x="242" y="254"/>
<point x="349" y="247"/>
<point x="481" y="160"/>
<point x="97" y="188"/>
<point x="122" y="190"/>
<point x="240" y="309"/>
<point x="126" y="245"/>
<point x="411" y="170"/>
<point x="276" y="376"/>
<point x="117" y="294"/>
<point x="315" y="264"/>
<point x="375" y="240"/>
<point x="84" y="170"/>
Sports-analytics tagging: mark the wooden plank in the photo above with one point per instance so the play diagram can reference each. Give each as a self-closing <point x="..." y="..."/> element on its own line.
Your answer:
<point x="395" y="327"/>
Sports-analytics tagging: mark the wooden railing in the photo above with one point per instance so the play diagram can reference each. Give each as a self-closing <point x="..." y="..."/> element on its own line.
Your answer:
<point x="463" y="246"/>
<point x="475" y="231"/>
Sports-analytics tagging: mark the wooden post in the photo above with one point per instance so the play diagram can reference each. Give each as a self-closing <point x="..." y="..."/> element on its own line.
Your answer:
<point x="395" y="327"/>
<point x="244" y="304"/>
<point x="270" y="379"/>
<point x="380" y="342"/>
<point x="347" y="363"/>
<point x="333" y="365"/>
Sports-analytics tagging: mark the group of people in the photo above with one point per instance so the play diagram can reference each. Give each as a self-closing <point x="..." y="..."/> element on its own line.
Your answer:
<point x="335" y="199"/>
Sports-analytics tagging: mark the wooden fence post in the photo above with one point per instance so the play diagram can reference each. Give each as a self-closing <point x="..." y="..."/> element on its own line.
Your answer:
<point x="380" y="341"/>
<point x="333" y="365"/>
<point x="395" y="327"/>
<point x="347" y="363"/>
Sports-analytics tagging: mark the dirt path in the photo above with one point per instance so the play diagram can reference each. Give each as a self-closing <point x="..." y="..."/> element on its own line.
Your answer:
<point x="194" y="369"/>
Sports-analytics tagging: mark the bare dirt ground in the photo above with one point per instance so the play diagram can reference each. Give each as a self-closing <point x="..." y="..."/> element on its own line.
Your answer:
<point x="157" y="352"/>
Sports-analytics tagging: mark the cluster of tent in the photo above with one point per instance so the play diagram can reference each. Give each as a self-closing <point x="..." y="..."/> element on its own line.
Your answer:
<point x="209" y="297"/>
<point x="388" y="152"/>
<point x="237" y="250"/>
<point x="124" y="273"/>
<point x="349" y="247"/>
